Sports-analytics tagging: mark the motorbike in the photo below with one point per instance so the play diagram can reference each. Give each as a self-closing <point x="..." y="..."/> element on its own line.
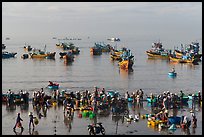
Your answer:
<point x="96" y="129"/>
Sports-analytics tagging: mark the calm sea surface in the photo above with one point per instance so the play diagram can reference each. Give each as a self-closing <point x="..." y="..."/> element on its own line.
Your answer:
<point x="88" y="71"/>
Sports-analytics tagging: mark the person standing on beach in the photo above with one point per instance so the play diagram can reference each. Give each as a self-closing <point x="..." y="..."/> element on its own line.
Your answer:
<point x="31" y="117"/>
<point x="18" y="123"/>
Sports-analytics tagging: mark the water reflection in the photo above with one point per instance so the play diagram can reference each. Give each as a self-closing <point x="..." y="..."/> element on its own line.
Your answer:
<point x="125" y="73"/>
<point x="68" y="122"/>
<point x="187" y="65"/>
<point x="33" y="132"/>
<point x="156" y="60"/>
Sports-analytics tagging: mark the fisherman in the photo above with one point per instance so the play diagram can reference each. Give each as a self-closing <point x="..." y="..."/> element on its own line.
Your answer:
<point x="187" y="121"/>
<point x="173" y="70"/>
<point x="181" y="96"/>
<point x="51" y="83"/>
<point x="194" y="122"/>
<point x="127" y="95"/>
<point x="78" y="98"/>
<point x="18" y="122"/>
<point x="141" y="94"/>
<point x="31" y="117"/>
<point x="199" y="98"/>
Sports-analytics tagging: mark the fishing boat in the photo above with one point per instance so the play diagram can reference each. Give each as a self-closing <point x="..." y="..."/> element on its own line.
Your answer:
<point x="174" y="120"/>
<point x="37" y="53"/>
<point x="179" y="53"/>
<point x="182" y="60"/>
<point x="25" y="56"/>
<point x="95" y="51"/>
<point x="126" y="64"/>
<point x="41" y="54"/>
<point x="53" y="85"/>
<point x="69" y="57"/>
<point x="127" y="59"/>
<point x="158" y="51"/>
<point x="116" y="54"/>
<point x="105" y="47"/>
<point x="173" y="74"/>
<point x="113" y="39"/>
<point x="6" y="54"/>
<point x="190" y="50"/>
<point x="153" y="54"/>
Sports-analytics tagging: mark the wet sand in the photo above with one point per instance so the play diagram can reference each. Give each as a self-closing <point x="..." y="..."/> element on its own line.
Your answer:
<point x="55" y="124"/>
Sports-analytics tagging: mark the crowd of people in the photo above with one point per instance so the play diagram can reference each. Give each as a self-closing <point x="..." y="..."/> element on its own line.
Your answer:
<point x="100" y="100"/>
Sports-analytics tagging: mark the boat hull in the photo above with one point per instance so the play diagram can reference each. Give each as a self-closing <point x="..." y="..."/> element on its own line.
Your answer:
<point x="95" y="51"/>
<point x="48" y="55"/>
<point x="156" y="55"/>
<point x="173" y="74"/>
<point x="53" y="87"/>
<point x="180" y="60"/>
<point x="126" y="64"/>
<point x="174" y="120"/>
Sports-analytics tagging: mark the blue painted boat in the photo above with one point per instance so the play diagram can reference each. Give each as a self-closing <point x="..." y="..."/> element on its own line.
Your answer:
<point x="174" y="120"/>
<point x="53" y="86"/>
<point x="172" y="74"/>
<point x="6" y="54"/>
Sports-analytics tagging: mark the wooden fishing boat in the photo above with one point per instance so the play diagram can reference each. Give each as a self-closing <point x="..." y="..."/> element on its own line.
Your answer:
<point x="126" y="64"/>
<point x="115" y="55"/>
<point x="25" y="56"/>
<point x="55" y="86"/>
<point x="6" y="54"/>
<point x="42" y="54"/>
<point x="178" y="53"/>
<point x="174" y="120"/>
<point x="68" y="58"/>
<point x="181" y="60"/>
<point x="95" y="51"/>
<point x="173" y="74"/>
<point x="152" y="54"/>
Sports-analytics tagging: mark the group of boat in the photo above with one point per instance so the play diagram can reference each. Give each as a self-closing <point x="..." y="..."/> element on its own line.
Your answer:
<point x="189" y="54"/>
<point x="99" y="48"/>
<point x="69" y="46"/>
<point x="69" y="50"/>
